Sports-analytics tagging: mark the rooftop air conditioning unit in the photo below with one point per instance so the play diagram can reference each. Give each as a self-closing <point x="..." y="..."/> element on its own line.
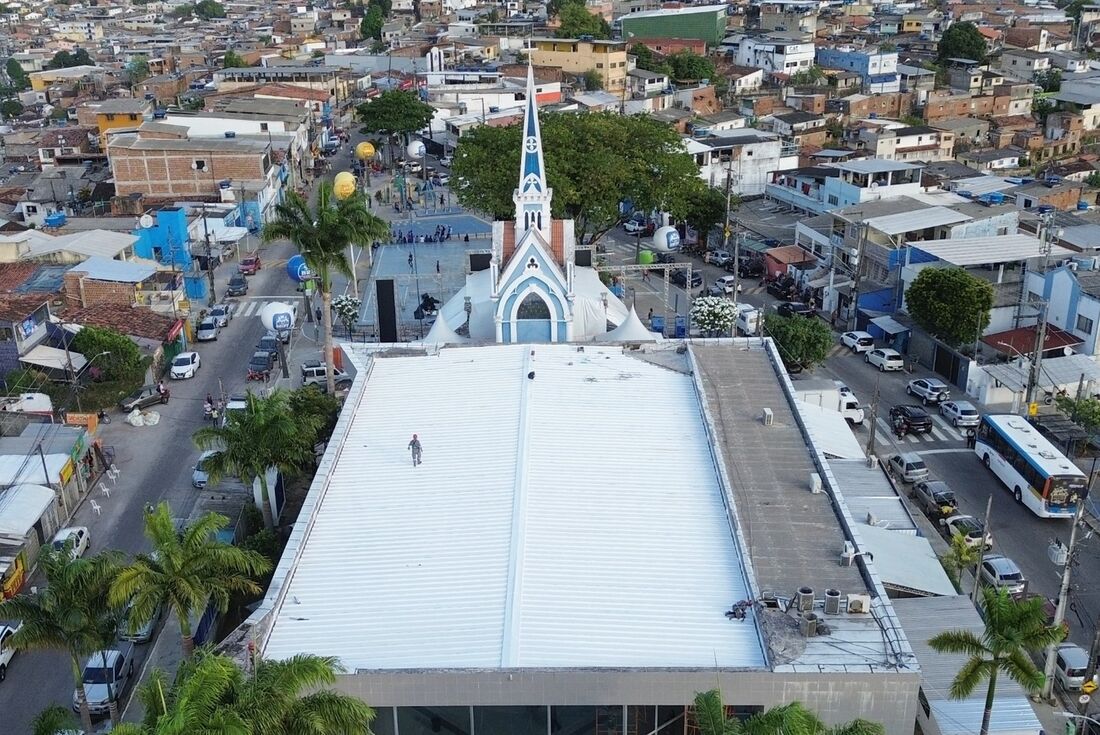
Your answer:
<point x="807" y="624"/>
<point x="859" y="604"/>
<point x="804" y="599"/>
<point x="767" y="417"/>
<point x="832" y="602"/>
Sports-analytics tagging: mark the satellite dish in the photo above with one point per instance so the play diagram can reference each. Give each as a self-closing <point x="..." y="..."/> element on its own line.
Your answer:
<point x="145" y="221"/>
<point x="1067" y="351"/>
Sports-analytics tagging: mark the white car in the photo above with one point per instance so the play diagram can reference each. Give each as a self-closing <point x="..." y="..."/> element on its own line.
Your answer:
<point x="726" y="283"/>
<point x="858" y="341"/>
<point x="222" y="314"/>
<point x="960" y="413"/>
<point x="8" y="628"/>
<point x="185" y="365"/>
<point x="446" y="161"/>
<point x="970" y="528"/>
<point x="633" y="226"/>
<point x="77" y="536"/>
<point x="885" y="359"/>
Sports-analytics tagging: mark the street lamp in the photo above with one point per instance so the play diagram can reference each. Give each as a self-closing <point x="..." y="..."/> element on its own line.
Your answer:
<point x="1074" y="716"/>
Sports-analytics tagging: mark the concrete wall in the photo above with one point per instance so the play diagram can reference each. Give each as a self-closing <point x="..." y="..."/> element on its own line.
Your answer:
<point x="890" y="699"/>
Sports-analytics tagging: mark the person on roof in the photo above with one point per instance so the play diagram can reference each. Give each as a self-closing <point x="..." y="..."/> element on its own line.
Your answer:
<point x="416" y="449"/>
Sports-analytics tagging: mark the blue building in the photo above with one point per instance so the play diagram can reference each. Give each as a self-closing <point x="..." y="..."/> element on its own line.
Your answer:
<point x="877" y="69"/>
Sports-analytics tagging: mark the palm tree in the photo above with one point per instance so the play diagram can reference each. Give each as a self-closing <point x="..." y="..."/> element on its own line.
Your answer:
<point x="70" y="612"/>
<point x="960" y="557"/>
<point x="53" y="721"/>
<point x="265" y="434"/>
<point x="1013" y="629"/>
<point x="322" y="236"/>
<point x="186" y="568"/>
<point x="787" y="719"/>
<point x="273" y="703"/>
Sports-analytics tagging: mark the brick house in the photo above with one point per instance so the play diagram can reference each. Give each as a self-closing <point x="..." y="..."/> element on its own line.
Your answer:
<point x="59" y="146"/>
<point x="101" y="280"/>
<point x="944" y="105"/>
<point x="891" y="105"/>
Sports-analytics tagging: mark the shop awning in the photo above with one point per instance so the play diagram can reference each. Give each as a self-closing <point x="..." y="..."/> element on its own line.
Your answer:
<point x="889" y="324"/>
<point x="20" y="508"/>
<point x="55" y="359"/>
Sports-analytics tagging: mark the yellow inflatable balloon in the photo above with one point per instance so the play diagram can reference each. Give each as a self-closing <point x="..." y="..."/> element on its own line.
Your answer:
<point x="364" y="150"/>
<point x="343" y="186"/>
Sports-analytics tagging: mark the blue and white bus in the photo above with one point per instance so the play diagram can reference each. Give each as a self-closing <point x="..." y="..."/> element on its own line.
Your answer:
<point x="1038" y="475"/>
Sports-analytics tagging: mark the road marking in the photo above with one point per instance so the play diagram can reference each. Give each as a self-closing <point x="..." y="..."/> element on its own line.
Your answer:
<point x="947" y="427"/>
<point x="948" y="451"/>
<point x="938" y="433"/>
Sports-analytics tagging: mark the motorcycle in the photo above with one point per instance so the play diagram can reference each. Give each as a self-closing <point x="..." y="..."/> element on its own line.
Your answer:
<point x="103" y="416"/>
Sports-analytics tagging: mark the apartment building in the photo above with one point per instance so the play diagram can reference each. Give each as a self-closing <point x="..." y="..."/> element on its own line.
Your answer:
<point x="701" y="22"/>
<point x="877" y="69"/>
<point x="577" y="56"/>
<point x="897" y="142"/>
<point x="774" y="53"/>
<point x="820" y="189"/>
<point x="1024" y="64"/>
<point x="746" y="157"/>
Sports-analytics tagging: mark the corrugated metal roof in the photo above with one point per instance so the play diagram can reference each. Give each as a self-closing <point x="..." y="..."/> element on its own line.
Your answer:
<point x="533" y="535"/>
<point x="906" y="562"/>
<point x="99" y="268"/>
<point x="925" y="617"/>
<point x="965" y="251"/>
<point x="919" y="219"/>
<point x="867" y="492"/>
<point x="829" y="430"/>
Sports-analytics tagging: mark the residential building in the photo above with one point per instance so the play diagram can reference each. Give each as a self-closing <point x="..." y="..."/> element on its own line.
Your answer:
<point x="1069" y="62"/>
<point x="792" y="17"/>
<point x="820" y="189"/>
<point x="1083" y="96"/>
<point x="746" y="157"/>
<point x="744" y="79"/>
<point x="917" y="80"/>
<point x="992" y="160"/>
<point x="666" y="46"/>
<point x="642" y="83"/>
<point x="878" y="70"/>
<point x="122" y="114"/>
<point x="899" y="142"/>
<point x="928" y="23"/>
<point x="1063" y="195"/>
<point x="1073" y="301"/>
<point x="42" y="80"/>
<point x="800" y="128"/>
<point x="67" y="146"/>
<point x="700" y="22"/>
<point x="331" y="80"/>
<point x="774" y="53"/>
<point x="973" y="79"/>
<point x="577" y="56"/>
<point x="80" y="31"/>
<point x="1024" y="64"/>
<point x="857" y="106"/>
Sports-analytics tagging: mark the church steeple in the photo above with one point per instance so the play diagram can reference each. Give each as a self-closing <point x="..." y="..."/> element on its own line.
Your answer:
<point x="533" y="195"/>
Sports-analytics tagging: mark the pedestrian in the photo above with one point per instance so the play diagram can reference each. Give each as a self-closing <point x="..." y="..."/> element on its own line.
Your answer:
<point x="466" y="237"/>
<point x="319" y="314"/>
<point x="437" y="266"/>
<point x="971" y="438"/>
<point x="650" y="317"/>
<point x="410" y="261"/>
<point x="160" y="387"/>
<point x="645" y="276"/>
<point x="416" y="449"/>
<point x="448" y="232"/>
<point x="441" y="200"/>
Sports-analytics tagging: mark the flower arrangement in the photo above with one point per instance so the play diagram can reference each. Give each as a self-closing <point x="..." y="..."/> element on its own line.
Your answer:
<point x="713" y="316"/>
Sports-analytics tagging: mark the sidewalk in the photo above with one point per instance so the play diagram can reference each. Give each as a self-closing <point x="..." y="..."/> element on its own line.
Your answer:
<point x="166" y="654"/>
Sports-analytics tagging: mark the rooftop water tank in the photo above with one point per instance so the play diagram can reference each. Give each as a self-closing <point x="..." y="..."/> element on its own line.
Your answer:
<point x="56" y="219"/>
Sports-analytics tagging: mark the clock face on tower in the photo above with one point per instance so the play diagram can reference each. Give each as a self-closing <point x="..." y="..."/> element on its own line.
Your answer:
<point x="531" y="145"/>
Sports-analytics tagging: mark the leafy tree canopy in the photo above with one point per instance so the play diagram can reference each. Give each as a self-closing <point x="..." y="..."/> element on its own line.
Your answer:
<point x="703" y="207"/>
<point x="950" y="304"/>
<point x="395" y="112"/>
<point x="1073" y="9"/>
<point x="10" y="109"/>
<point x="384" y="5"/>
<point x="1085" y="412"/>
<point x="813" y="76"/>
<point x="319" y="409"/>
<point x="65" y="59"/>
<point x="18" y="77"/>
<point x="963" y="41"/>
<point x="592" y="80"/>
<point x="646" y="59"/>
<point x="371" y="25"/>
<point x="124" y="358"/>
<point x="802" y="342"/>
<point x="686" y="65"/>
<point x="138" y="69"/>
<point x="554" y="7"/>
<point x="1049" y="79"/>
<point x="233" y="60"/>
<point x="576" y="21"/>
<point x="204" y="9"/>
<point x="643" y="158"/>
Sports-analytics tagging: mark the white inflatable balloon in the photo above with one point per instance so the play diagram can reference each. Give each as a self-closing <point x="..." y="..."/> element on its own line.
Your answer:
<point x="666" y="239"/>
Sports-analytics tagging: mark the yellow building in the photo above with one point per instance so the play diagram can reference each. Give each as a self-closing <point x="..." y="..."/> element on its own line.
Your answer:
<point x="43" y="80"/>
<point x="119" y="115"/>
<point x="576" y="56"/>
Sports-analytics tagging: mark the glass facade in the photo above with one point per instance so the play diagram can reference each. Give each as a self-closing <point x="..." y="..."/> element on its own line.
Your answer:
<point x="531" y="720"/>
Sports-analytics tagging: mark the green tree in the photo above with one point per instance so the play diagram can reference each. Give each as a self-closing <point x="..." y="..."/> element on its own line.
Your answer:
<point x="19" y="78"/>
<point x="315" y="409"/>
<point x="962" y="41"/>
<point x="371" y="25"/>
<point x="576" y="21"/>
<point x="1073" y="9"/>
<point x="263" y="435"/>
<point x="395" y="113"/>
<point x="199" y="701"/>
<point x="118" y="357"/>
<point x="704" y="209"/>
<point x="1013" y="630"/>
<point x="1093" y="180"/>
<point x="1084" y="412"/>
<point x="950" y="304"/>
<point x="323" y="236"/>
<point x="207" y="9"/>
<point x="10" y="109"/>
<point x="54" y="720"/>
<point x="138" y="69"/>
<point x="233" y="60"/>
<point x="786" y="719"/>
<point x="70" y="612"/>
<point x="814" y="76"/>
<point x="1041" y="108"/>
<point x="644" y="157"/>
<point x="802" y="342"/>
<point x="1049" y="79"/>
<point x="593" y="80"/>
<point x="384" y="5"/>
<point x="960" y="556"/>
<point x="688" y="66"/>
<point x="554" y="7"/>
<point x="65" y="59"/>
<point x="187" y="568"/>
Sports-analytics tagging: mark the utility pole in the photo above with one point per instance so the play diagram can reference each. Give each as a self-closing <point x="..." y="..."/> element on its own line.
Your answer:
<point x="871" y="433"/>
<point x="209" y="262"/>
<point x="1063" y="595"/>
<point x="1036" y="356"/>
<point x="853" y="307"/>
<point x="981" y="551"/>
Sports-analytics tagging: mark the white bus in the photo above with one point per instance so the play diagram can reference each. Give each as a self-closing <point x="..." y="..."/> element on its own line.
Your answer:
<point x="1038" y="475"/>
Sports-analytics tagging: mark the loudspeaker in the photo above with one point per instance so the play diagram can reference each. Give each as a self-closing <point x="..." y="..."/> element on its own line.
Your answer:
<point x="480" y="261"/>
<point x="583" y="258"/>
<point x="387" y="311"/>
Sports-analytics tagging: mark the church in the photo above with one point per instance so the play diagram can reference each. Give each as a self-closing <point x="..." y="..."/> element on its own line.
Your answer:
<point x="536" y="284"/>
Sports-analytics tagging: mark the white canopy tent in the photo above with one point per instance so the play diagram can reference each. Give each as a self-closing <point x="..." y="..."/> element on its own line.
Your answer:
<point x="21" y="506"/>
<point x="631" y="330"/>
<point x="55" y="359"/>
<point x="442" y="334"/>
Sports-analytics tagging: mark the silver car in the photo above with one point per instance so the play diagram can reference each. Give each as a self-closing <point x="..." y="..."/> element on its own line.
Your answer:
<point x="207" y="330"/>
<point x="199" y="477"/>
<point x="222" y="314"/>
<point x="1001" y="572"/>
<point x="139" y="633"/>
<point x="106" y="677"/>
<point x="960" y="413"/>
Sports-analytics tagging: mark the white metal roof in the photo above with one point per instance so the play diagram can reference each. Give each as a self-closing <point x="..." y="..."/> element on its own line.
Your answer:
<point x="663" y="13"/>
<point x="99" y="268"/>
<point x="536" y="533"/>
<point x="925" y="617"/>
<point x="20" y="508"/>
<point x="905" y="561"/>
<point x="55" y="358"/>
<point x="963" y="251"/>
<point x="830" y="431"/>
<point x="918" y="219"/>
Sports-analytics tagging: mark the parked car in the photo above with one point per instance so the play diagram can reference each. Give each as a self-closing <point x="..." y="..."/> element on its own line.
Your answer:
<point x="249" y="265"/>
<point x="315" y="372"/>
<point x="747" y="267"/>
<point x="107" y="675"/>
<point x="726" y="283"/>
<point x="917" y="419"/>
<point x="207" y="330"/>
<point x="199" y="475"/>
<point x="858" y="341"/>
<point x="8" y="628"/>
<point x="794" y="308"/>
<point x="970" y="528"/>
<point x="441" y="179"/>
<point x="1001" y="572"/>
<point x="238" y="285"/>
<point x="936" y="499"/>
<point x="269" y="342"/>
<point x="261" y="363"/>
<point x="885" y="359"/>
<point x="960" y="413"/>
<point x="143" y="397"/>
<point x="634" y="226"/>
<point x="908" y="466"/>
<point x="780" y="289"/>
<point x="929" y="390"/>
<point x="222" y="314"/>
<point x="77" y="537"/>
<point x="717" y="257"/>
<point x="185" y="365"/>
<point x="139" y="633"/>
<point x="680" y="278"/>
<point x="446" y="161"/>
<point x="1071" y="663"/>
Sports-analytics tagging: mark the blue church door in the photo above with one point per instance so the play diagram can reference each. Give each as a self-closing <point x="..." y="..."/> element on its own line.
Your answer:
<point x="533" y="320"/>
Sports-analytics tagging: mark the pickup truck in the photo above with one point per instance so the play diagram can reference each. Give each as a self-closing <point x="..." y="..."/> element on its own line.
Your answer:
<point x="107" y="674"/>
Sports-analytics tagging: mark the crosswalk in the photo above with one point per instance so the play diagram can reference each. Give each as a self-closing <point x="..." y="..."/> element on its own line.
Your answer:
<point x="251" y="307"/>
<point x="941" y="432"/>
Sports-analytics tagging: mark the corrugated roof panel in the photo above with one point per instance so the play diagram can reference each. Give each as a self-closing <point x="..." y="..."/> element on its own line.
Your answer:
<point x="963" y="251"/>
<point x="919" y="219"/>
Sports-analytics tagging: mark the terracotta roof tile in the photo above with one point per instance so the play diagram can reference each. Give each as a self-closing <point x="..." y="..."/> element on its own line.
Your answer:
<point x="14" y="275"/>
<point x="135" y="321"/>
<point x="15" y="308"/>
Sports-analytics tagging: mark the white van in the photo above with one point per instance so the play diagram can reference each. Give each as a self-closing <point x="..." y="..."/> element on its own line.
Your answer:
<point x="748" y="320"/>
<point x="315" y="372"/>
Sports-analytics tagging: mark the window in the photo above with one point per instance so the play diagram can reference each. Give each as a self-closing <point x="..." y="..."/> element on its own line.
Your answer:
<point x="833" y="200"/>
<point x="533" y="307"/>
<point x="1084" y="324"/>
<point x="199" y="164"/>
<point x="30" y="209"/>
<point x="263" y="127"/>
<point x="599" y="64"/>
